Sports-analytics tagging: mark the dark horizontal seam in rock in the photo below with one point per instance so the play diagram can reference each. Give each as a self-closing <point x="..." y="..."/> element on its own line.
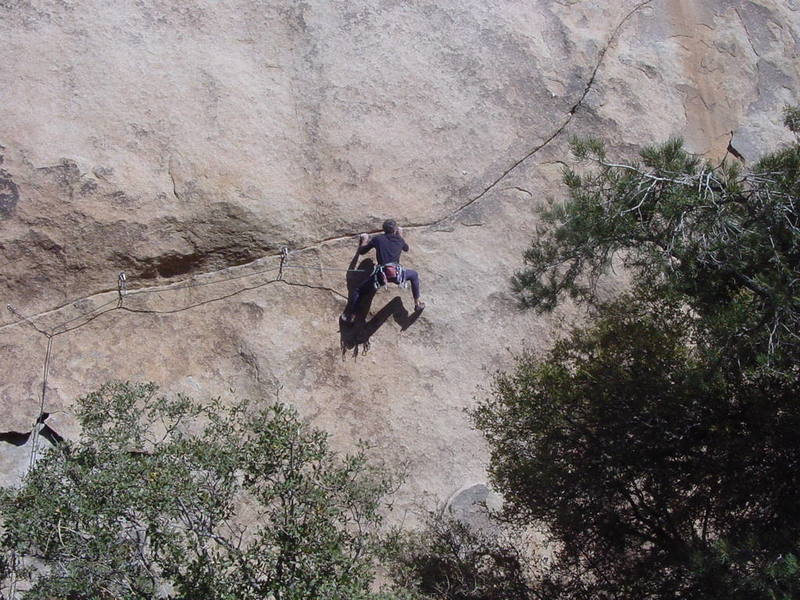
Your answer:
<point x="15" y="438"/>
<point x="20" y="438"/>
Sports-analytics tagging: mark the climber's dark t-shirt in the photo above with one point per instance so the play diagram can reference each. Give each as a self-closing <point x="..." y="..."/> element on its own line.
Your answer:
<point x="388" y="247"/>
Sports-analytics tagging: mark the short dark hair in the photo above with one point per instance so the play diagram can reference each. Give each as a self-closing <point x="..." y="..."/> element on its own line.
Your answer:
<point x="390" y="226"/>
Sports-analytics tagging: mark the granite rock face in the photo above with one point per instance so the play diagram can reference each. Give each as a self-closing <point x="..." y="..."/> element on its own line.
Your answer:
<point x="186" y="145"/>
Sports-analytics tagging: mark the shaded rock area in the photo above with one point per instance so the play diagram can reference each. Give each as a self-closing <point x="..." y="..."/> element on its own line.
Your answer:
<point x="186" y="144"/>
<point x="472" y="506"/>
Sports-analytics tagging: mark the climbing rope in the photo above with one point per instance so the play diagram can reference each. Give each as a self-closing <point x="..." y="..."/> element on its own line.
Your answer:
<point x="285" y="252"/>
<point x="22" y="318"/>
<point x="46" y="368"/>
<point x="124" y="291"/>
<point x="118" y="302"/>
<point x="39" y="423"/>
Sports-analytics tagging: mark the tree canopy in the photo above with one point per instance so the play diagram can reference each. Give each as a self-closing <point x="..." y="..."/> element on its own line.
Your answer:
<point x="656" y="475"/>
<point x="167" y="498"/>
<point x="722" y="240"/>
<point x="658" y="444"/>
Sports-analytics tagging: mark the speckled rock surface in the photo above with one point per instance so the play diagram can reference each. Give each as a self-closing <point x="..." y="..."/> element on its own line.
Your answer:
<point x="185" y="145"/>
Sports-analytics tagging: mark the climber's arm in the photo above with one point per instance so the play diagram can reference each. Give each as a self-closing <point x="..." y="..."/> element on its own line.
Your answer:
<point x="405" y="244"/>
<point x="365" y="243"/>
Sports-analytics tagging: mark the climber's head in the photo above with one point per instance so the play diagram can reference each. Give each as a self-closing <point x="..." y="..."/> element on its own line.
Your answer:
<point x="389" y="226"/>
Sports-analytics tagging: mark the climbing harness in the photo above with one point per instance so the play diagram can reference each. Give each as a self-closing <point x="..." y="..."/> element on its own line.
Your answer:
<point x="387" y="273"/>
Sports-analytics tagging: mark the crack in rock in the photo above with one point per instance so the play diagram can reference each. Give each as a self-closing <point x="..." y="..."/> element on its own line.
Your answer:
<point x="612" y="38"/>
<point x="42" y="429"/>
<point x="518" y="189"/>
<point x="732" y="150"/>
<point x="174" y="185"/>
<point x="747" y="32"/>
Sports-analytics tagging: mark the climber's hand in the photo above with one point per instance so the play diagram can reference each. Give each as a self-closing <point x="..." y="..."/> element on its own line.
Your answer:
<point x="363" y="239"/>
<point x="400" y="231"/>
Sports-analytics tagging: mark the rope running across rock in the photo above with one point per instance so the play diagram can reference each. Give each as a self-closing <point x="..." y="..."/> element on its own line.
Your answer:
<point x="119" y="304"/>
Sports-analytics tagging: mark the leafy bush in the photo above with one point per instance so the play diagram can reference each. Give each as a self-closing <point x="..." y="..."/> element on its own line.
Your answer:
<point x="166" y="498"/>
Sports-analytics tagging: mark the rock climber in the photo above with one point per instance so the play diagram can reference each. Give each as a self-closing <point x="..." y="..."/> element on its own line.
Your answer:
<point x="388" y="247"/>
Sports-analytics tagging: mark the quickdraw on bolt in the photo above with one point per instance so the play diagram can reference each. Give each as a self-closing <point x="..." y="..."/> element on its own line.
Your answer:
<point x="284" y="259"/>
<point x="122" y="286"/>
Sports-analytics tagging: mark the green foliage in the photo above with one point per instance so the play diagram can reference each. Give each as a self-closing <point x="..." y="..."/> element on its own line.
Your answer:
<point x="724" y="241"/>
<point x="450" y="560"/>
<point x="791" y="118"/>
<point x="643" y="459"/>
<point x="659" y="444"/>
<point x="166" y="498"/>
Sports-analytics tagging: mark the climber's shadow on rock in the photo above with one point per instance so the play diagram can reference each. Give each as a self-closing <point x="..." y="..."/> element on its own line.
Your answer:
<point x="355" y="336"/>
